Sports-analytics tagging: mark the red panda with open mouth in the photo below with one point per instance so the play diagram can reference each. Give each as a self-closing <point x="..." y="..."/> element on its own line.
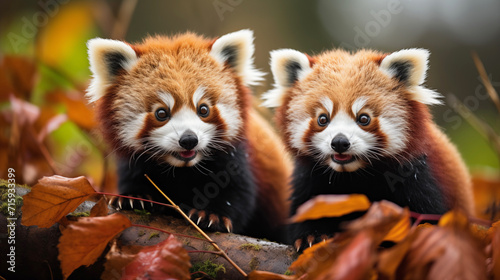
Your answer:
<point x="179" y="110"/>
<point x="359" y="123"/>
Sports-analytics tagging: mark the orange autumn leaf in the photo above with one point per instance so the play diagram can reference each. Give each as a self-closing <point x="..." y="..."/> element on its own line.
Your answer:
<point x="399" y="231"/>
<point x="83" y="241"/>
<point x="390" y="259"/>
<point x="454" y="218"/>
<point x="443" y="253"/>
<point x="77" y="109"/>
<point x="53" y="198"/>
<point x="325" y="206"/>
<point x="319" y="257"/>
<point x="118" y="257"/>
<point x="99" y="209"/>
<point x="487" y="196"/>
<point x="165" y="260"/>
<point x="387" y="220"/>
<point x="264" y="275"/>
<point x="354" y="262"/>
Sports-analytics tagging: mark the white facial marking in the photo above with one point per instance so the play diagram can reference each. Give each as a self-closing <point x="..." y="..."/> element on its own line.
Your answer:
<point x="198" y="95"/>
<point x="328" y="104"/>
<point x="358" y="105"/>
<point x="394" y="128"/>
<point x="360" y="140"/>
<point x="167" y="137"/>
<point x="131" y="128"/>
<point x="297" y="129"/>
<point x="232" y="119"/>
<point x="168" y="99"/>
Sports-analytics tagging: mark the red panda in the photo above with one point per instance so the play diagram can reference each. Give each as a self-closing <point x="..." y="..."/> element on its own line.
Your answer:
<point x="359" y="123"/>
<point x="179" y="109"/>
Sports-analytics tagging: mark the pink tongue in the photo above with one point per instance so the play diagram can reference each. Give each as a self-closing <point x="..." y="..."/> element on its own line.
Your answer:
<point x="340" y="157"/>
<point x="187" y="154"/>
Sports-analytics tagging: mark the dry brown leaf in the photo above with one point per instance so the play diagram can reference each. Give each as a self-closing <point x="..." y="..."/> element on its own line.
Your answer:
<point x="99" y="209"/>
<point x="117" y="258"/>
<point x="166" y="260"/>
<point x="83" y="241"/>
<point x="76" y="108"/>
<point x="390" y="259"/>
<point x="443" y="253"/>
<point x="52" y="124"/>
<point x="29" y="157"/>
<point x="53" y="198"/>
<point x="325" y="206"/>
<point x="17" y="76"/>
<point x="388" y="221"/>
<point x="264" y="275"/>
<point x="354" y="262"/>
<point x="319" y="257"/>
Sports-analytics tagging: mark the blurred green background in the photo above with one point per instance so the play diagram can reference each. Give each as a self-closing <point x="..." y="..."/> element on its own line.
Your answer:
<point x="52" y="35"/>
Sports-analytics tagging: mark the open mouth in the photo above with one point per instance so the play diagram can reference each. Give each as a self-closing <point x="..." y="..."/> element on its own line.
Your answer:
<point x="186" y="155"/>
<point x="343" y="158"/>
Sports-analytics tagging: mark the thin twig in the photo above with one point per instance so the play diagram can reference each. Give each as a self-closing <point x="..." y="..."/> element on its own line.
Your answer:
<point x="436" y="217"/>
<point x="123" y="19"/>
<point x="223" y="254"/>
<point x="480" y="126"/>
<point x="486" y="81"/>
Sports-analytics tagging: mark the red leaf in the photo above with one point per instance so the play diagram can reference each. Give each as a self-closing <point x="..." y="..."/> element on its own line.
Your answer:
<point x="354" y="262"/>
<point x="166" y="260"/>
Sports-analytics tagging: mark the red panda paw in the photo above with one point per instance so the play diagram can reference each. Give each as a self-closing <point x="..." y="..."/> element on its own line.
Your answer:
<point x="122" y="203"/>
<point x="306" y="242"/>
<point x="211" y="221"/>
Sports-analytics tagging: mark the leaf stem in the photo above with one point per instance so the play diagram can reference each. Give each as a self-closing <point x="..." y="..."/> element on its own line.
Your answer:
<point x="223" y="254"/>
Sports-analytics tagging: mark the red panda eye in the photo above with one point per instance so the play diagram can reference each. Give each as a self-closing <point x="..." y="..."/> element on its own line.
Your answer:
<point x="162" y="114"/>
<point x="203" y="111"/>
<point x="364" y="119"/>
<point x="323" y="120"/>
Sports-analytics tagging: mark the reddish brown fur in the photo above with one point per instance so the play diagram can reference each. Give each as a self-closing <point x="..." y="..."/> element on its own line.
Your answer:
<point x="344" y="77"/>
<point x="168" y="64"/>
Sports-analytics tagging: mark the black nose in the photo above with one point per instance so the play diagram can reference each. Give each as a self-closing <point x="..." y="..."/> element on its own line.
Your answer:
<point x="188" y="140"/>
<point x="340" y="143"/>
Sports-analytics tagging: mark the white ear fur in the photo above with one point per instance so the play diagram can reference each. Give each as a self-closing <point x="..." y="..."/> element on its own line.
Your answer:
<point x="287" y="66"/>
<point x="106" y="57"/>
<point x="237" y="50"/>
<point x="409" y="66"/>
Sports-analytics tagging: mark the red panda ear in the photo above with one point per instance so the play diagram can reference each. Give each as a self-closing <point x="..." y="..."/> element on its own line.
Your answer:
<point x="236" y="51"/>
<point x="409" y="66"/>
<point x="288" y="66"/>
<point x="108" y="58"/>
